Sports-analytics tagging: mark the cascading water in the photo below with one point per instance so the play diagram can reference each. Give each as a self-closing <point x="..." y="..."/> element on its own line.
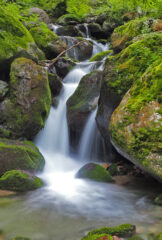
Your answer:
<point x="67" y="207"/>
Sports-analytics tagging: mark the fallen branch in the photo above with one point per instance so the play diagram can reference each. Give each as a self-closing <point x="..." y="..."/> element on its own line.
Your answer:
<point x="56" y="59"/>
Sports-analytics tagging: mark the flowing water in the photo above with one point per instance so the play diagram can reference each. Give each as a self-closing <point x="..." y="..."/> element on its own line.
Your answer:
<point x="66" y="207"/>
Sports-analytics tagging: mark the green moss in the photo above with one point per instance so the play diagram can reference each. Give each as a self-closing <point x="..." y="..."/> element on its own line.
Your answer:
<point x="123" y="34"/>
<point x="19" y="181"/>
<point x="100" y="56"/>
<point x="19" y="155"/>
<point x="122" y="70"/>
<point x="136" y="238"/>
<point x="123" y="230"/>
<point x="158" y="237"/>
<point x="97" y="237"/>
<point x="158" y="200"/>
<point x="15" y="39"/>
<point x="94" y="172"/>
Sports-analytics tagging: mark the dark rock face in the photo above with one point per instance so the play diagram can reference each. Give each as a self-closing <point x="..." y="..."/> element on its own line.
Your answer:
<point x="16" y="154"/>
<point x="94" y="172"/>
<point x="25" y="110"/>
<point x="96" y="31"/>
<point x="55" y="84"/>
<point x="63" y="66"/>
<point x="3" y="89"/>
<point x="82" y="103"/>
<point x="70" y="30"/>
<point x="42" y="15"/>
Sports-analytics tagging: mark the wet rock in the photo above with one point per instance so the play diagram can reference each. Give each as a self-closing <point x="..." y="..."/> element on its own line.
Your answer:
<point x="83" y="102"/>
<point x="47" y="41"/>
<point x="81" y="52"/>
<point x="135" y="124"/>
<point x="19" y="181"/>
<point x="3" y="90"/>
<point x="42" y="15"/>
<point x="94" y="172"/>
<point x="55" y="83"/>
<point x="96" y="31"/>
<point x="63" y="66"/>
<point x="55" y="102"/>
<point x="108" y="27"/>
<point x="24" y="155"/>
<point x="15" y="41"/>
<point x="24" y="112"/>
<point x="69" y="31"/>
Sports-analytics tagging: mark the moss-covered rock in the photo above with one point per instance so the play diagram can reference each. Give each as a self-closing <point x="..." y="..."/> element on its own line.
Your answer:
<point x="83" y="102"/>
<point x="136" y="237"/>
<point x="15" y="41"/>
<point x="158" y="200"/>
<point x="124" y="230"/>
<point x="19" y="181"/>
<point x="3" y="89"/>
<point x="121" y="72"/>
<point x="125" y="33"/>
<point x="55" y="83"/>
<point x="47" y="41"/>
<point x="22" y="155"/>
<point x="100" y="56"/>
<point x="94" y="172"/>
<point x="136" y="124"/>
<point x="25" y="111"/>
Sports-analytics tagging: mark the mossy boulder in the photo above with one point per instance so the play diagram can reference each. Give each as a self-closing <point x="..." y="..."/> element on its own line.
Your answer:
<point x="3" y="89"/>
<point x="158" y="200"/>
<point x="19" y="181"/>
<point x="67" y="19"/>
<point x="100" y="56"/>
<point x="69" y="30"/>
<point x="94" y="172"/>
<point x="124" y="230"/>
<point x="83" y="102"/>
<point x="55" y="83"/>
<point x="135" y="125"/>
<point x="121" y="72"/>
<point x="27" y="107"/>
<point x="42" y="16"/>
<point x="15" y="41"/>
<point x="47" y="41"/>
<point x="125" y="33"/>
<point x="22" y="155"/>
<point x="63" y="66"/>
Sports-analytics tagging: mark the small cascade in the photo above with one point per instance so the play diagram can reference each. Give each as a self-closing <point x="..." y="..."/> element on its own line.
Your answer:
<point x="54" y="27"/>
<point x="87" y="31"/>
<point x="86" y="143"/>
<point x="70" y="41"/>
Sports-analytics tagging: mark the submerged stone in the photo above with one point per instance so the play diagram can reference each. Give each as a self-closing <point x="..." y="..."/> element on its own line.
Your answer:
<point x="94" y="172"/>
